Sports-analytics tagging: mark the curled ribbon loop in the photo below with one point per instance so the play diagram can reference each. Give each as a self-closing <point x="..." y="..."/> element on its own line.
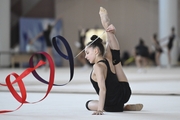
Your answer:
<point x="32" y="69"/>
<point x="51" y="65"/>
<point x="69" y="52"/>
<point x="18" y="80"/>
<point x="67" y="57"/>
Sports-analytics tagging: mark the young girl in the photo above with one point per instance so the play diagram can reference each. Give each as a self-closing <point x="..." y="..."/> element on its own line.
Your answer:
<point x="107" y="76"/>
<point x="158" y="50"/>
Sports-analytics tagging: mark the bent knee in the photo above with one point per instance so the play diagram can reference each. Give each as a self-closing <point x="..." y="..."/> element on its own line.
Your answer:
<point x="92" y="105"/>
<point x="87" y="103"/>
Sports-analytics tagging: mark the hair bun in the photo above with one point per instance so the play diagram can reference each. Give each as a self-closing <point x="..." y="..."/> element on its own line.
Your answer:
<point x="95" y="37"/>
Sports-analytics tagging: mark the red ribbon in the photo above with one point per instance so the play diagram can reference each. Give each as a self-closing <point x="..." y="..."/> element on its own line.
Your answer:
<point x="19" y="80"/>
<point x="32" y="69"/>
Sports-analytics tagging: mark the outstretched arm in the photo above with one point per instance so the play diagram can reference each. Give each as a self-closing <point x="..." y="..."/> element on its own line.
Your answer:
<point x="55" y="22"/>
<point x="36" y="37"/>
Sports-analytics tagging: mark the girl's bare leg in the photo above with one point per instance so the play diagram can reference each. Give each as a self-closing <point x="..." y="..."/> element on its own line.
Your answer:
<point x="169" y="57"/>
<point x="104" y="17"/>
<point x="133" y="107"/>
<point x="93" y="105"/>
<point x="50" y="52"/>
<point x="138" y="61"/>
<point x="113" y="43"/>
<point x="145" y="61"/>
<point x="157" y="58"/>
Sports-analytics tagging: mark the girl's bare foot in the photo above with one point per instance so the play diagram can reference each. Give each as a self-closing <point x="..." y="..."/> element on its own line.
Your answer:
<point x="104" y="17"/>
<point x="133" y="107"/>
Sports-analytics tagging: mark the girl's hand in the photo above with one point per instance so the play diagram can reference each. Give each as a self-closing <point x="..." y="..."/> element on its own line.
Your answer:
<point x="98" y="113"/>
<point x="111" y="29"/>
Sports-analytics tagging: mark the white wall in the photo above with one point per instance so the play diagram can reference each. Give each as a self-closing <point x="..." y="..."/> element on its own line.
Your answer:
<point x="28" y="4"/>
<point x="4" y="31"/>
<point x="168" y="18"/>
<point x="132" y="18"/>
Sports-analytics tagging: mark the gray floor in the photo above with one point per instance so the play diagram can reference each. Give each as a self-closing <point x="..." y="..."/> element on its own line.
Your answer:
<point x="157" y="89"/>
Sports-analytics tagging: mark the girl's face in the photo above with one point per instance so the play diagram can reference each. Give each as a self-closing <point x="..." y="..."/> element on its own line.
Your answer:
<point x="90" y="54"/>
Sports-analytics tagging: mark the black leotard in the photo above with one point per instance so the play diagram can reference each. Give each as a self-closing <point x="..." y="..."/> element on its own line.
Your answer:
<point x="117" y="93"/>
<point x="142" y="50"/>
<point x="46" y="35"/>
<point x="170" y="43"/>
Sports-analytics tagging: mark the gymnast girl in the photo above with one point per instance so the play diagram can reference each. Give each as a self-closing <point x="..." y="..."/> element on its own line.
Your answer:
<point x="46" y="34"/>
<point x="170" y="44"/>
<point x="107" y="76"/>
<point x="158" y="50"/>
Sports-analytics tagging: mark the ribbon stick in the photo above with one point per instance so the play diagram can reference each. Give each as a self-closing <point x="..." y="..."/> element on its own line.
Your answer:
<point x="89" y="44"/>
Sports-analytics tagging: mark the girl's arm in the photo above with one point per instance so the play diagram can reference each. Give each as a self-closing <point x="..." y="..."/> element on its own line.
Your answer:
<point x="100" y="72"/>
<point x="56" y="21"/>
<point x="111" y="38"/>
<point x="36" y="37"/>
